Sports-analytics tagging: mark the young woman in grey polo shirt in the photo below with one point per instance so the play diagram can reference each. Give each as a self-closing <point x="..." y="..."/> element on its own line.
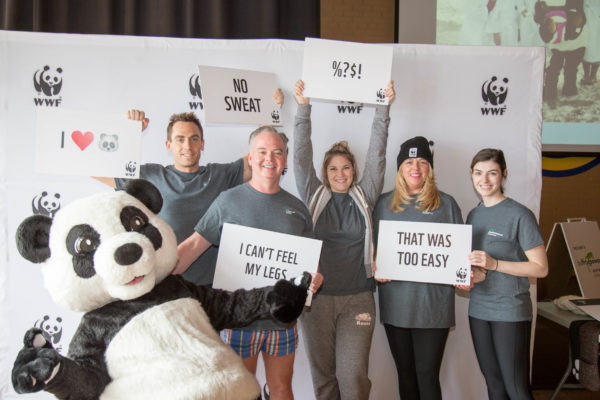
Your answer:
<point x="338" y="328"/>
<point x="507" y="244"/>
<point x="416" y="316"/>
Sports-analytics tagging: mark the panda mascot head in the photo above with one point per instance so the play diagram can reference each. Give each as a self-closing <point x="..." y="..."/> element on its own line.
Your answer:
<point x="145" y="333"/>
<point x="101" y="248"/>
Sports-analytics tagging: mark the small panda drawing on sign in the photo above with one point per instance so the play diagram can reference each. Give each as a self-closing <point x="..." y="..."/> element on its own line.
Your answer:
<point x="494" y="91"/>
<point x="46" y="204"/>
<point x="108" y="143"/>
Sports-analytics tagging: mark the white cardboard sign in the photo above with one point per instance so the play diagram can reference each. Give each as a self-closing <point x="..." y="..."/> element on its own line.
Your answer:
<point x="424" y="252"/>
<point x="583" y="241"/>
<point x="238" y="96"/>
<point x="250" y="257"/>
<point x="72" y="142"/>
<point x="347" y="71"/>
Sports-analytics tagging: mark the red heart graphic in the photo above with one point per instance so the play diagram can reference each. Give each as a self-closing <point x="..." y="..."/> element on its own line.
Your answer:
<point x="82" y="140"/>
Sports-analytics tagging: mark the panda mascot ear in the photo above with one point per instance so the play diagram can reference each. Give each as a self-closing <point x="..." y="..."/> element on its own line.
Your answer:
<point x="32" y="238"/>
<point x="145" y="192"/>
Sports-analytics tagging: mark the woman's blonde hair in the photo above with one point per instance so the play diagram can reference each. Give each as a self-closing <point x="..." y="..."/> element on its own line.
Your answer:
<point x="338" y="149"/>
<point x="428" y="200"/>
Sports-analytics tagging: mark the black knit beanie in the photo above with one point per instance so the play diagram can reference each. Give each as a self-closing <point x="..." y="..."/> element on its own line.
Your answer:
<point x="417" y="147"/>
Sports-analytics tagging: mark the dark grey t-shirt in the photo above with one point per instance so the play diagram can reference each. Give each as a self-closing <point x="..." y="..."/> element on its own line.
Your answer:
<point x="243" y="205"/>
<point x="341" y="227"/>
<point x="186" y="197"/>
<point x="414" y="304"/>
<point x="505" y="231"/>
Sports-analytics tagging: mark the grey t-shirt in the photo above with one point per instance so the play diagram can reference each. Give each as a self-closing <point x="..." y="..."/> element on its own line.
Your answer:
<point x="243" y="205"/>
<point x="414" y="304"/>
<point x="505" y="231"/>
<point x="186" y="197"/>
<point x="341" y="227"/>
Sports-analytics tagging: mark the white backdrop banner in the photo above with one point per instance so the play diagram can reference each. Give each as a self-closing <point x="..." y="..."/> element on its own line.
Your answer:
<point x="439" y="95"/>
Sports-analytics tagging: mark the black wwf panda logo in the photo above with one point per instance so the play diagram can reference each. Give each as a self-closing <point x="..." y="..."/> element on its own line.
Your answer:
<point x="51" y="328"/>
<point x="461" y="273"/>
<point x="494" y="91"/>
<point x="46" y="204"/>
<point x="380" y="96"/>
<point x="194" y="83"/>
<point x="108" y="143"/>
<point x="47" y="81"/>
<point x="275" y="116"/>
<point x="130" y="167"/>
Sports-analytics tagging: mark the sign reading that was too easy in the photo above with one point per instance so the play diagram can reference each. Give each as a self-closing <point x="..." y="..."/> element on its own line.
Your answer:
<point x="424" y="252"/>
<point x="72" y="142"/>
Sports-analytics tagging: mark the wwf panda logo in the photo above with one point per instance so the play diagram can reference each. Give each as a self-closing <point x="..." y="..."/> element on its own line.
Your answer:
<point x="48" y="81"/>
<point x="46" y="204"/>
<point x="380" y="96"/>
<point x="194" y="85"/>
<point x="494" y="91"/>
<point x="461" y="273"/>
<point x="108" y="143"/>
<point x="130" y="168"/>
<point x="275" y="115"/>
<point x="51" y="328"/>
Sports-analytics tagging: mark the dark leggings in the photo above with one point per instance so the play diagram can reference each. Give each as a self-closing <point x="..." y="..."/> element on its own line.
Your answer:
<point x="418" y="356"/>
<point x="502" y="350"/>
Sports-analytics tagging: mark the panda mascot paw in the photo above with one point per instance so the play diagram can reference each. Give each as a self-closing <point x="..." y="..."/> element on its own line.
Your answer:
<point x="36" y="363"/>
<point x="286" y="299"/>
<point x="144" y="333"/>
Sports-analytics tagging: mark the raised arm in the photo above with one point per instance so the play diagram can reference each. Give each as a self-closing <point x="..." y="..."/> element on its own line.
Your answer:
<point x="307" y="181"/>
<point x="373" y="174"/>
<point x="136" y="115"/>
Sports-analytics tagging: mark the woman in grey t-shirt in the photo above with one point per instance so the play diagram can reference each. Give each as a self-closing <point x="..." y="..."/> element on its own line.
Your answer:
<point x="417" y="316"/>
<point x="338" y="328"/>
<point x="508" y="249"/>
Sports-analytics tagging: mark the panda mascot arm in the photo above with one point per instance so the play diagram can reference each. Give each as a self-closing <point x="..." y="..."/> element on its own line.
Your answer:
<point x="282" y="302"/>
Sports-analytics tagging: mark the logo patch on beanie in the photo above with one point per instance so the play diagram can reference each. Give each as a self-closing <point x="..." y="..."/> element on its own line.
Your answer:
<point x="412" y="152"/>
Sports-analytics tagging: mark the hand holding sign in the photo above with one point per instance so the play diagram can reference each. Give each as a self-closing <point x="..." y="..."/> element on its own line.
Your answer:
<point x="347" y="71"/>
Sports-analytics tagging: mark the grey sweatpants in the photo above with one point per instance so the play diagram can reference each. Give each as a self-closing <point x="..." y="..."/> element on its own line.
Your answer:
<point x="337" y="332"/>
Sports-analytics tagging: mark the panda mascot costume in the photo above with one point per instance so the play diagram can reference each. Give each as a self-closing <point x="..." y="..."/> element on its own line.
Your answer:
<point x="145" y="334"/>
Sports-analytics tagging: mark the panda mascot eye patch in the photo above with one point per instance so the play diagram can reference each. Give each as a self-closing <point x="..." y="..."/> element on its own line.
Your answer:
<point x="134" y="220"/>
<point x="82" y="242"/>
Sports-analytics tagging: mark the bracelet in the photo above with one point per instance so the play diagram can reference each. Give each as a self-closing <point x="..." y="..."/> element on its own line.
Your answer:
<point x="495" y="269"/>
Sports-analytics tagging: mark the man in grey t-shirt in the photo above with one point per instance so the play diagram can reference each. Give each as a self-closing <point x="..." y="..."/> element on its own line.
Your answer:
<point x="187" y="188"/>
<point x="263" y="204"/>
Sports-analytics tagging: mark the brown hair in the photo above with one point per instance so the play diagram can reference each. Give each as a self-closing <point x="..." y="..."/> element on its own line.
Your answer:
<point x="428" y="200"/>
<point x="184" y="117"/>
<point x="338" y="149"/>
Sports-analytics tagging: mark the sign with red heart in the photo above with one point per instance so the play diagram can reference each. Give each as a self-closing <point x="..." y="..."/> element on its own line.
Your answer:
<point x="82" y="140"/>
<point x="85" y="143"/>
